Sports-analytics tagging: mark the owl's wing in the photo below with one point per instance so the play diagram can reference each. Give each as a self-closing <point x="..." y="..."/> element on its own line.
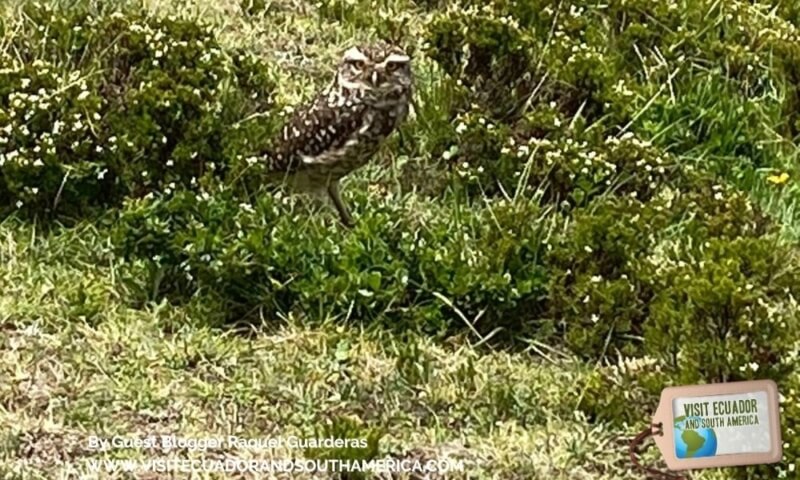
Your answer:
<point x="317" y="133"/>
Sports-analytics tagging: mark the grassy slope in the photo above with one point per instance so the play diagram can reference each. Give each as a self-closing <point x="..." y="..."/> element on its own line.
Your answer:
<point x="506" y="414"/>
<point x="509" y="415"/>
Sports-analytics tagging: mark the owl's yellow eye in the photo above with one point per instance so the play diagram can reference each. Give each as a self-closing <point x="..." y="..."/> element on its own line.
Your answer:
<point x="392" y="66"/>
<point x="359" y="64"/>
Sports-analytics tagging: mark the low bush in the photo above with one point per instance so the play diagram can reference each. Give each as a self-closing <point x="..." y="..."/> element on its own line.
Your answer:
<point x="709" y="90"/>
<point x="494" y="159"/>
<point x="100" y="105"/>
<point x="426" y="266"/>
<point x="724" y="309"/>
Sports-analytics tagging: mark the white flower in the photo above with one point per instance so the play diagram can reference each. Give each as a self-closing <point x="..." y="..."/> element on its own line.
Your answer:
<point x="83" y="95"/>
<point x="102" y="174"/>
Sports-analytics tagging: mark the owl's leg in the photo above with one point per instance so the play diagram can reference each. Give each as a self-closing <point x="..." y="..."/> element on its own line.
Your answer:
<point x="336" y="197"/>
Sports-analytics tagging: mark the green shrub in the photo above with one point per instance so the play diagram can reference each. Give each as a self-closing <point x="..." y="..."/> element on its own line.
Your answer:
<point x="714" y="82"/>
<point x="517" y="55"/>
<point x="425" y="267"/>
<point x="724" y="309"/>
<point x="691" y="287"/>
<point x="488" y="51"/>
<point x="596" y="299"/>
<point x="97" y="106"/>
<point x="790" y="424"/>
<point x="602" y="290"/>
<point x="494" y="159"/>
<point x="626" y="392"/>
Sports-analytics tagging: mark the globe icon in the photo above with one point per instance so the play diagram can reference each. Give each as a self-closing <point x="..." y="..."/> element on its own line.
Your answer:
<point x="694" y="442"/>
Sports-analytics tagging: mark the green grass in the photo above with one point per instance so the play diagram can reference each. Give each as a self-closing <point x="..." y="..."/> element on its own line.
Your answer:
<point x="72" y="373"/>
<point x="86" y="351"/>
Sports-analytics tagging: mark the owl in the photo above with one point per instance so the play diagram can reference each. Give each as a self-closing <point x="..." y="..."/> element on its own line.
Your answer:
<point x="343" y="126"/>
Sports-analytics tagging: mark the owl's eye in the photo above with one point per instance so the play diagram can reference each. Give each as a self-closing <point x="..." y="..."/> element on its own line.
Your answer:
<point x="392" y="66"/>
<point x="359" y="64"/>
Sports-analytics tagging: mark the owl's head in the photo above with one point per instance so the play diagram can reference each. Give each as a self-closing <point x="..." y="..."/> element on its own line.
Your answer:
<point x="378" y="69"/>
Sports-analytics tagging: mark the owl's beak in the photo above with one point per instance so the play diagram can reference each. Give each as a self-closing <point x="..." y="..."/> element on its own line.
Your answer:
<point x="375" y="78"/>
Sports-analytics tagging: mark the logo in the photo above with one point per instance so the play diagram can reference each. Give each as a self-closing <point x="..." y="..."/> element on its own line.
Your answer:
<point x="719" y="425"/>
<point x="691" y="440"/>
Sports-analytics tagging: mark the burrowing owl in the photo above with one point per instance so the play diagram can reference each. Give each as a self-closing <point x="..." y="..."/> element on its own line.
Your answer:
<point x="343" y="126"/>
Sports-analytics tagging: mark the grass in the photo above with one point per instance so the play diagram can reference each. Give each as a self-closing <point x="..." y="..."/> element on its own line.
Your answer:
<point x="84" y="353"/>
<point x="135" y="372"/>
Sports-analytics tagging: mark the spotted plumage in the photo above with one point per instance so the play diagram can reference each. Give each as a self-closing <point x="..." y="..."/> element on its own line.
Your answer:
<point x="344" y="125"/>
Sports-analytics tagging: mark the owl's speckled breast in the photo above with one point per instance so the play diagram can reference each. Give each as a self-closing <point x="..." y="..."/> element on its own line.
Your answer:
<point x="378" y="124"/>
